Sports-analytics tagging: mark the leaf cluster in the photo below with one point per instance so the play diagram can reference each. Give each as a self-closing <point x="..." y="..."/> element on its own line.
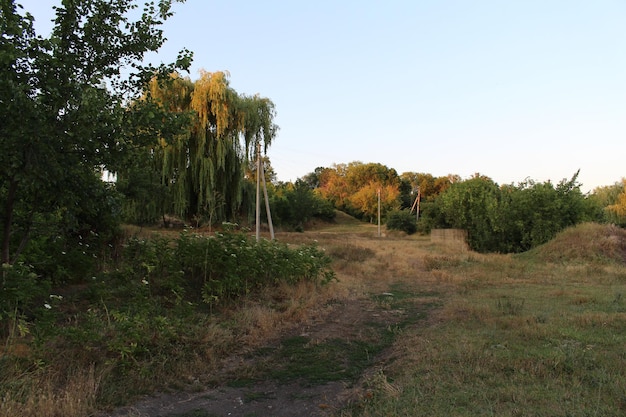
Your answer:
<point x="402" y="220"/>
<point x="197" y="170"/>
<point x="295" y="204"/>
<point x="354" y="188"/>
<point x="138" y="318"/>
<point x="65" y="110"/>
<point x="508" y="218"/>
<point x="215" y="268"/>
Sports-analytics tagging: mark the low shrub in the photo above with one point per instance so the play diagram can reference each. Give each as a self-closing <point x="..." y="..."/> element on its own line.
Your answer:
<point x="402" y="220"/>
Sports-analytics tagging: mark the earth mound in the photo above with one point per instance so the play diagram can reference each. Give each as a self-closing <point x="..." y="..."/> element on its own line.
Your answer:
<point x="587" y="242"/>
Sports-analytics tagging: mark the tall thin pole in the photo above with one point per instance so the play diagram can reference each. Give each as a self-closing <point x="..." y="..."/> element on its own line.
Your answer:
<point x="267" y="204"/>
<point x="416" y="203"/>
<point x="378" y="212"/>
<point x="258" y="191"/>
<point x="419" y="199"/>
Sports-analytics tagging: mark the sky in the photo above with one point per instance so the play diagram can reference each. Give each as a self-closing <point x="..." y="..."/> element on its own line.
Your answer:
<point x="510" y="89"/>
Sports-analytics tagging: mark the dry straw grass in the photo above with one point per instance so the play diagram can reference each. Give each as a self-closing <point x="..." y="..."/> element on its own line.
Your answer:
<point x="51" y="397"/>
<point x="590" y="242"/>
<point x="540" y="333"/>
<point x="506" y="322"/>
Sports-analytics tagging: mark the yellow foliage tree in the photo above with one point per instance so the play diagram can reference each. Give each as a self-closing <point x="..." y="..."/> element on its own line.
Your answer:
<point x="203" y="166"/>
<point x="366" y="199"/>
<point x="353" y="188"/>
<point x="619" y="208"/>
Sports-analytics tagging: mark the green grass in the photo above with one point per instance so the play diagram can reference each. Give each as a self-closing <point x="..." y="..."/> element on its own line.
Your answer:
<point x="315" y="362"/>
<point x="463" y="334"/>
<point x="322" y="362"/>
<point x="309" y="362"/>
<point x="516" y="337"/>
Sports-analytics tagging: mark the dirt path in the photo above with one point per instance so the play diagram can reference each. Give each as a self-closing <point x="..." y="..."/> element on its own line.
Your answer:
<point x="353" y="322"/>
<point x="316" y="369"/>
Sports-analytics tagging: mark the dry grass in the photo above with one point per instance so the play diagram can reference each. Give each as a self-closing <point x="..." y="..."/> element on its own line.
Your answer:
<point x="44" y="397"/>
<point x="590" y="242"/>
<point x="537" y="334"/>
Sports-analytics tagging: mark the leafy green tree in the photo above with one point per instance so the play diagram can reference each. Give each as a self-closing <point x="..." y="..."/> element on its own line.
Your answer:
<point x="65" y="114"/>
<point x="425" y="185"/>
<point x="508" y="218"/>
<point x="203" y="166"/>
<point x="295" y="204"/>
<point x="314" y="179"/>
<point x="534" y="212"/>
<point x="473" y="205"/>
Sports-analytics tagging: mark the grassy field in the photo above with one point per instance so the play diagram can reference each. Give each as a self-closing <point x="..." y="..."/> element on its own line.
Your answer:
<point x="537" y="334"/>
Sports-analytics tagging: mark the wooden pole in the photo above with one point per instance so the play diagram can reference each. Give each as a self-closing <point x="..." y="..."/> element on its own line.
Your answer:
<point x="378" y="212"/>
<point x="267" y="204"/>
<point x="258" y="191"/>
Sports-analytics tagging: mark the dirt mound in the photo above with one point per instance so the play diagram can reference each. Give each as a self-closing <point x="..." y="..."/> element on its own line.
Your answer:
<point x="587" y="242"/>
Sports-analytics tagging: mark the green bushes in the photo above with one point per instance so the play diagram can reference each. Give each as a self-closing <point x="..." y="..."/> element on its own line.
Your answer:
<point x="402" y="220"/>
<point x="229" y="264"/>
<point x="293" y="205"/>
<point x="508" y="218"/>
<point x="215" y="268"/>
<point x="146" y="314"/>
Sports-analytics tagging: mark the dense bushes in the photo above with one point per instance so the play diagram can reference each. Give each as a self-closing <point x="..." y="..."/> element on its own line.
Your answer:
<point x="508" y="218"/>
<point x="293" y="205"/>
<point x="402" y="220"/>
<point x="149" y="311"/>
<point x="219" y="267"/>
<point x="151" y="274"/>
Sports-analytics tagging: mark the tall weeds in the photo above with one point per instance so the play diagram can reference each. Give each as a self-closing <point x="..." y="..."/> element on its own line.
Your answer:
<point x="154" y="319"/>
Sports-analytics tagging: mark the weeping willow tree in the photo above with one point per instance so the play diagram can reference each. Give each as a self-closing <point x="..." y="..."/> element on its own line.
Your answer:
<point x="201" y="167"/>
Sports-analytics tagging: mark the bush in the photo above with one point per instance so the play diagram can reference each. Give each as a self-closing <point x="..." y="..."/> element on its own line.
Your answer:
<point x="224" y="266"/>
<point x="510" y="218"/>
<point x="20" y="288"/>
<point x="295" y="204"/>
<point x="402" y="220"/>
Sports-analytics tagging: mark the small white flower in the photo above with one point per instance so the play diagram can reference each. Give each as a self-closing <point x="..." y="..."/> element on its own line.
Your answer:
<point x="63" y="253"/>
<point x="144" y="281"/>
<point x="48" y="306"/>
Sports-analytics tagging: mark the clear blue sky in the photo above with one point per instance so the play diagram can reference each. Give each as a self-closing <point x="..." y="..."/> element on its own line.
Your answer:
<point x="508" y="88"/>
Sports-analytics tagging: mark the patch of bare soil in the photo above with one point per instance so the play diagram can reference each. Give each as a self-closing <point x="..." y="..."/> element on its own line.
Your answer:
<point x="282" y="375"/>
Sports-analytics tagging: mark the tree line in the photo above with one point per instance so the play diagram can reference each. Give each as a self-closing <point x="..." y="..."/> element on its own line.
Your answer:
<point x="499" y="218"/>
<point x="82" y="101"/>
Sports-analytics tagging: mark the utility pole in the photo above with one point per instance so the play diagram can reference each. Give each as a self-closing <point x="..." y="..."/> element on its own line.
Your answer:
<point x="417" y="203"/>
<point x="267" y="204"/>
<point x="378" y="212"/>
<point x="260" y="174"/>
<point x="258" y="191"/>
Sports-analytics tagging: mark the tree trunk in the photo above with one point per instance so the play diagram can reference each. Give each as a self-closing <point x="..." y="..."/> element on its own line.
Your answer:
<point x="8" y="219"/>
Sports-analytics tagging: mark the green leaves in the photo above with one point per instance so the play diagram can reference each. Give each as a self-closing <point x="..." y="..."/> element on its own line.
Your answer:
<point x="201" y="165"/>
<point x="220" y="267"/>
<point x="64" y="107"/>
<point x="508" y="218"/>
